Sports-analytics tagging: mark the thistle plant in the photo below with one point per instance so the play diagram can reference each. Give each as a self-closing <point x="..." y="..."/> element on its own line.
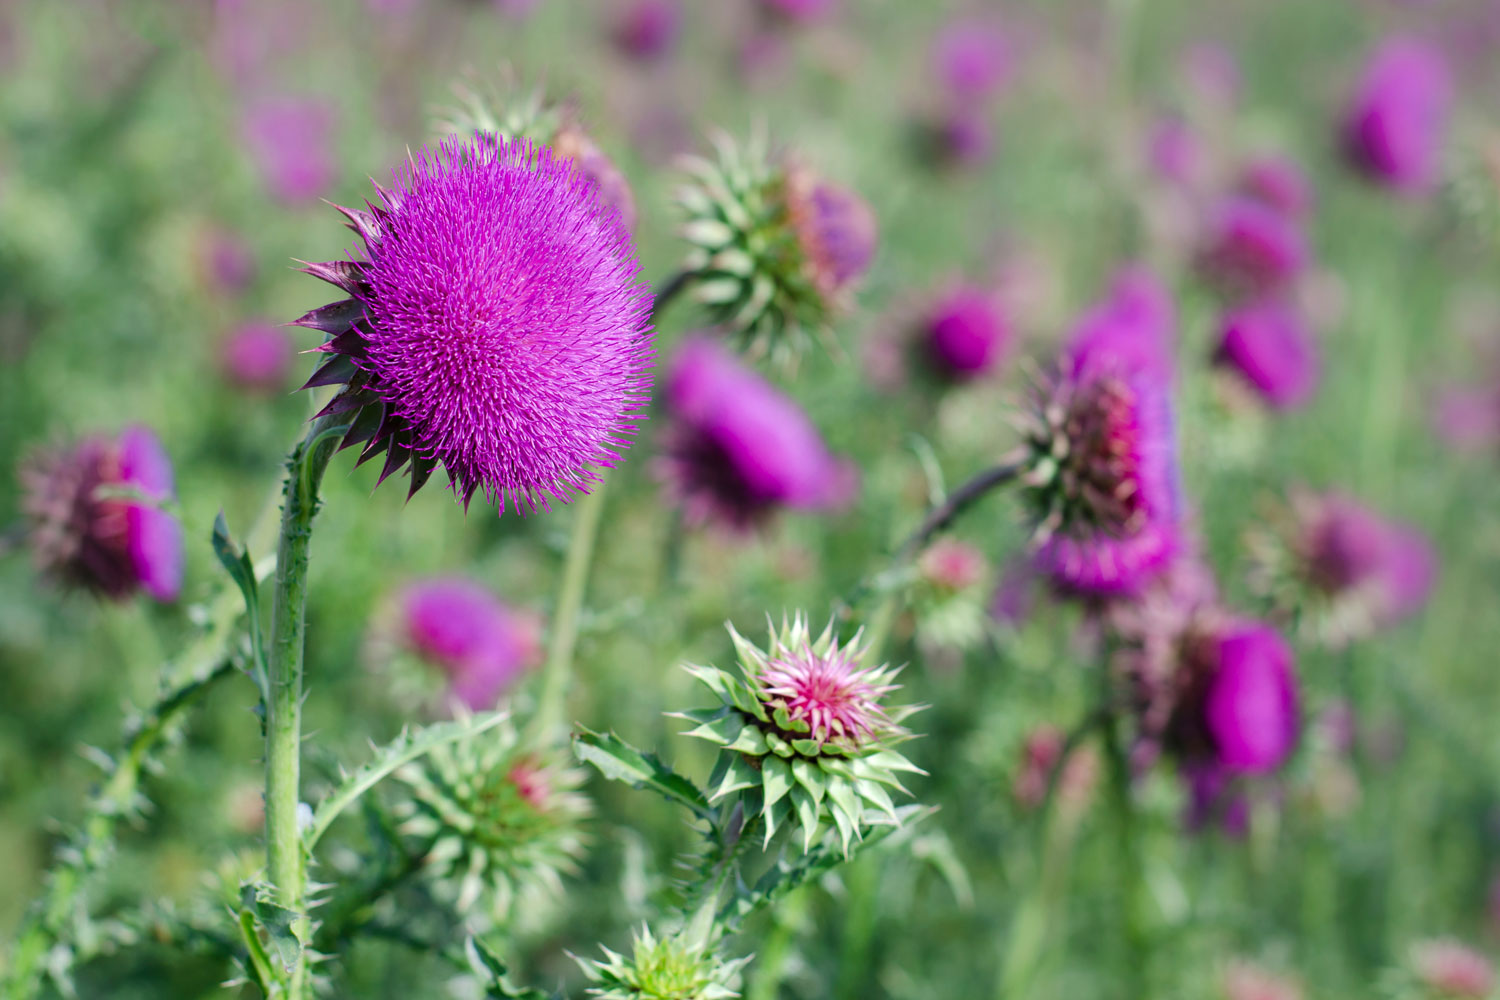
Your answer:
<point x="684" y="965"/>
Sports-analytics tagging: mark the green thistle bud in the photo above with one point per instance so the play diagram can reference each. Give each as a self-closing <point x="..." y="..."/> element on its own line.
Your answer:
<point x="776" y="250"/>
<point x="683" y="966"/>
<point x="806" y="733"/>
<point x="502" y="818"/>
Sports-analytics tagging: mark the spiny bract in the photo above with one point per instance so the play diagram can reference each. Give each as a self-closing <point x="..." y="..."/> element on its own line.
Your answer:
<point x="682" y="966"/>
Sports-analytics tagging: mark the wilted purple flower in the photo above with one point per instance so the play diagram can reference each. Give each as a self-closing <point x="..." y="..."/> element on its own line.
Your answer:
<point x="496" y="325"/>
<point x="1252" y="250"/>
<point x="971" y="59"/>
<point x="1251" y="707"/>
<point x="1378" y="570"/>
<point x="965" y="333"/>
<point x="738" y="449"/>
<point x="258" y="357"/>
<point x="1103" y="472"/>
<point x="96" y="517"/>
<point x="1278" y="182"/>
<point x="1269" y="345"/>
<point x="1452" y="969"/>
<point x="290" y="140"/>
<point x="647" y="29"/>
<point x="799" y="10"/>
<point x="1395" y="126"/>
<point x="479" y="644"/>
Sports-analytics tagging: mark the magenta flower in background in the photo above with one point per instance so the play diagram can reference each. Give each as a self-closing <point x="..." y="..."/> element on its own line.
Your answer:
<point x="835" y="230"/>
<point x="481" y="646"/>
<point x="647" y="29"/>
<point x="229" y="265"/>
<point x="1270" y="346"/>
<point x="258" y="357"/>
<point x="1279" y="183"/>
<point x="290" y="139"/>
<point x="1176" y="153"/>
<point x="738" y="449"/>
<point x="96" y="519"/>
<point x="1396" y="124"/>
<point x="1451" y="968"/>
<point x="1381" y="570"/>
<point x="1104" y="482"/>
<point x="959" y="137"/>
<point x="1251" y="708"/>
<point x="971" y="59"/>
<point x="966" y="333"/>
<point x="496" y="325"/>
<point x="1251" y="249"/>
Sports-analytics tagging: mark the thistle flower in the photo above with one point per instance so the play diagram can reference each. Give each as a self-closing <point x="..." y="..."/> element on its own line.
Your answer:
<point x="1252" y="250"/>
<point x="1270" y="346"/>
<point x="495" y="324"/>
<point x="737" y="449"/>
<point x="948" y="598"/>
<point x="502" y="820"/>
<point x="481" y="646"/>
<point x="965" y="333"/>
<point x="1452" y="969"/>
<point x="1176" y="152"/>
<point x="776" y="250"/>
<point x="290" y="142"/>
<point x="96" y="517"/>
<point x="1395" y="126"/>
<point x="806" y="733"/>
<point x="971" y="58"/>
<point x="681" y="966"/>
<point x="1279" y="183"/>
<point x="1101" y="467"/>
<point x="1251" y="705"/>
<point x="647" y="29"/>
<point x="228" y="264"/>
<point x="258" y="358"/>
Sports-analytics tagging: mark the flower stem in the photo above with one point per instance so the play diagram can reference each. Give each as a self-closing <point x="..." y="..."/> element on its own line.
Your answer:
<point x="668" y="292"/>
<point x="1132" y="889"/>
<point x="286" y="862"/>
<point x="770" y="964"/>
<point x="558" y="670"/>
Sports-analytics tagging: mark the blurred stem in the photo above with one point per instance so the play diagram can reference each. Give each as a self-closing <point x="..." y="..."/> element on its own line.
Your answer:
<point x="558" y="671"/>
<point x="669" y="291"/>
<point x="861" y="912"/>
<point x="286" y="862"/>
<point x="1132" y="888"/>
<point x="770" y="965"/>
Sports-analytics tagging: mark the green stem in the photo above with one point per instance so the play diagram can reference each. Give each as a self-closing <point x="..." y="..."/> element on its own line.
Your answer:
<point x="770" y="963"/>
<point x="557" y="673"/>
<point x="861" y="911"/>
<point x="1132" y="889"/>
<point x="286" y="861"/>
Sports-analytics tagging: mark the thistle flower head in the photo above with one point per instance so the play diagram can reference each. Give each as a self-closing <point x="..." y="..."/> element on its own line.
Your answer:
<point x="495" y="325"/>
<point x="647" y="29"/>
<point x="681" y="966"/>
<point x="1102" y="467"/>
<point x="479" y="645"/>
<point x="96" y="517"/>
<point x="1251" y="707"/>
<point x="1270" y="346"/>
<point x="1395" y="125"/>
<point x="966" y="333"/>
<point x="776" y="249"/>
<point x="1450" y="968"/>
<point x="1251" y="249"/>
<point x="806" y="731"/>
<point x="971" y="58"/>
<point x="737" y="449"/>
<point x="502" y="820"/>
<point x="258" y="358"/>
<point x="1279" y="183"/>
<point x="948" y="598"/>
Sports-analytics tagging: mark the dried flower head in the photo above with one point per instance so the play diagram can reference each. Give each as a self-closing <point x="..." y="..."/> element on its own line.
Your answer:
<point x="496" y="325"/>
<point x="97" y="519"/>
<point x="776" y="249"/>
<point x="806" y="732"/>
<point x="681" y="966"/>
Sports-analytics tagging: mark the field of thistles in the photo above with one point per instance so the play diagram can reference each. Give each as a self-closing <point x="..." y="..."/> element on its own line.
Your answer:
<point x="782" y="499"/>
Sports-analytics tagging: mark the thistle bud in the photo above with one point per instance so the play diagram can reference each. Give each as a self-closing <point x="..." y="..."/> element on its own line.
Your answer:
<point x="674" y="967"/>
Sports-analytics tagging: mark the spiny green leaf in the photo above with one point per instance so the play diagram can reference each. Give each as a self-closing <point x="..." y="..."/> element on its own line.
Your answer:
<point x="619" y="761"/>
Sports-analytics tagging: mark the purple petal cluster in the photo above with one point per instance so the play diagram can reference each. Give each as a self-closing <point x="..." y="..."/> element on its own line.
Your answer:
<point x="1252" y="249"/>
<point x="1251" y="708"/>
<point x="971" y="59"/>
<point x="835" y="229"/>
<point x="496" y="325"/>
<point x="1397" y="121"/>
<point x="1269" y="345"/>
<point x="738" y="449"/>
<point x="1351" y="554"/>
<point x="96" y="517"/>
<point x="966" y="333"/>
<point x="479" y="644"/>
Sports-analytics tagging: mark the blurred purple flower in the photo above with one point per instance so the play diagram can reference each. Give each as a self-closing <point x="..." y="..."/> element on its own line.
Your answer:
<point x="647" y="29"/>
<point x="479" y="644"/>
<point x="971" y="58"/>
<point x="1395" y="126"/>
<point x="835" y="229"/>
<point x="1251" y="707"/>
<point x="1350" y="554"/>
<point x="1279" y="183"/>
<point x="965" y="333"/>
<point x="229" y="264"/>
<point x="96" y="519"/>
<point x="1015" y="595"/>
<point x="258" y="357"/>
<point x="1468" y="417"/>
<point x="1451" y="968"/>
<point x="738" y="449"/>
<point x="958" y="137"/>
<point x="1252" y="250"/>
<point x="1211" y="70"/>
<point x="1176" y="152"/>
<point x="1270" y="346"/>
<point x="290" y="139"/>
<point x="799" y="10"/>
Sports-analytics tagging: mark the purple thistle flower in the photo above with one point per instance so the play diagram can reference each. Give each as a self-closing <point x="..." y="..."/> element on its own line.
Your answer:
<point x="648" y="29"/>
<point x="479" y="644"/>
<point x="835" y="230"/>
<point x="1279" y="183"/>
<point x="496" y="325"/>
<point x="289" y="140"/>
<point x="258" y="358"/>
<point x="971" y="58"/>
<point x="1251" y="706"/>
<point x="838" y="700"/>
<point x="966" y="333"/>
<point x="1252" y="250"/>
<point x="1269" y="344"/>
<point x="738" y="449"/>
<point x="96" y="519"/>
<point x="1103" y="476"/>
<point x="1394" y="129"/>
<point x="1370" y="568"/>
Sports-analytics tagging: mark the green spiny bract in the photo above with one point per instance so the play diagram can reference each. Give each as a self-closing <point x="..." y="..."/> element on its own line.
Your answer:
<point x="776" y="250"/>
<point x="681" y="966"/>
<point x="502" y="820"/>
<point x="805" y="733"/>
